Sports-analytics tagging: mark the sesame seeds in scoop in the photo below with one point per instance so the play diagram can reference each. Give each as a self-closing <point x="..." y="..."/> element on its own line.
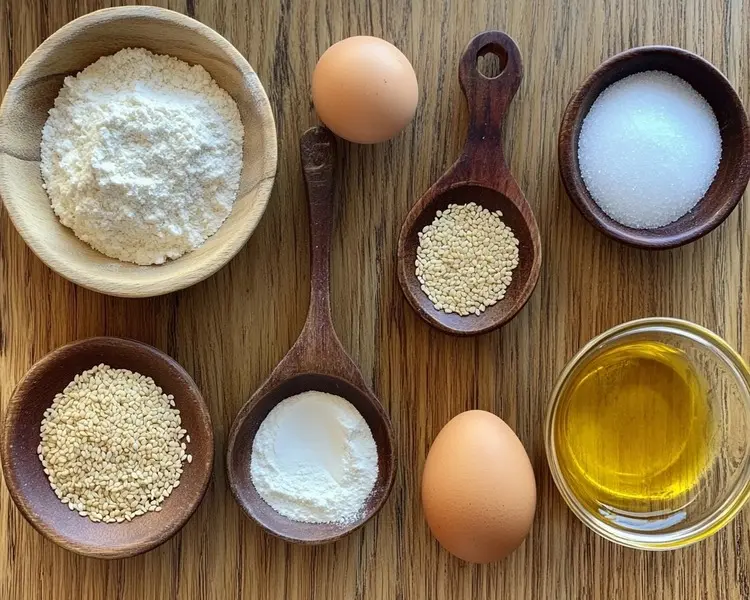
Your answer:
<point x="466" y="258"/>
<point x="649" y="149"/>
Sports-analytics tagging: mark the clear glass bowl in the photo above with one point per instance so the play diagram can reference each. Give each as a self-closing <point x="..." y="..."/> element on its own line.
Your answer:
<point x="722" y="487"/>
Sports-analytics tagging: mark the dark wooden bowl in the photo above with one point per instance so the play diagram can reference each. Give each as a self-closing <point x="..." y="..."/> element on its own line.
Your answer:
<point x="318" y="362"/>
<point x="734" y="169"/>
<point x="479" y="175"/>
<point x="29" y="486"/>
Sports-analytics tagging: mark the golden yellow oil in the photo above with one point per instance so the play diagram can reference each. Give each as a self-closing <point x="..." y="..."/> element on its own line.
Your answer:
<point x="634" y="427"/>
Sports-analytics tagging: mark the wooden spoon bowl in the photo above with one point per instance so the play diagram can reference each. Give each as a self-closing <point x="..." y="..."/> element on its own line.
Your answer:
<point x="734" y="169"/>
<point x="24" y="475"/>
<point x="25" y="109"/>
<point x="479" y="175"/>
<point x="317" y="361"/>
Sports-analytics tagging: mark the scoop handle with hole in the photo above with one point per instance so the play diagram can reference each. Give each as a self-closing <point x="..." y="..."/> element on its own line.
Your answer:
<point x="318" y="349"/>
<point x="481" y="175"/>
<point x="488" y="99"/>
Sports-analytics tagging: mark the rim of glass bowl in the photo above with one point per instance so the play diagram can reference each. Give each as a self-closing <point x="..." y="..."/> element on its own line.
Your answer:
<point x="711" y="523"/>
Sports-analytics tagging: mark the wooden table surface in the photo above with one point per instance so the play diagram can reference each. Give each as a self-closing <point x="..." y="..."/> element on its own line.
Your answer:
<point x="230" y="330"/>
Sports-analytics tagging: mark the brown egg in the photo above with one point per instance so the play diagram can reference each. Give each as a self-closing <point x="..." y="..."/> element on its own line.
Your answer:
<point x="478" y="488"/>
<point x="364" y="89"/>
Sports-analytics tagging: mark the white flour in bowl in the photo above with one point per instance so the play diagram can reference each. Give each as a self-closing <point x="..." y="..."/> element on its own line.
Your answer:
<point x="142" y="155"/>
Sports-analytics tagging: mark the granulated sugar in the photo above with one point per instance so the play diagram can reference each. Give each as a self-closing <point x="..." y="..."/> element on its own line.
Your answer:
<point x="314" y="459"/>
<point x="649" y="149"/>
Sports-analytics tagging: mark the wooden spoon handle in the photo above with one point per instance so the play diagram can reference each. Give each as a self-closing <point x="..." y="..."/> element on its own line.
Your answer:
<point x="488" y="99"/>
<point x="318" y="154"/>
<point x="318" y="349"/>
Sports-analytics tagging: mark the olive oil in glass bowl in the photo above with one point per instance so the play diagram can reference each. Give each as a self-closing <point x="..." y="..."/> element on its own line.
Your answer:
<point x="648" y="434"/>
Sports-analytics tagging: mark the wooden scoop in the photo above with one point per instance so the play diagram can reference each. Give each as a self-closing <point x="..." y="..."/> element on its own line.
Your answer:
<point x="479" y="175"/>
<point x="317" y="361"/>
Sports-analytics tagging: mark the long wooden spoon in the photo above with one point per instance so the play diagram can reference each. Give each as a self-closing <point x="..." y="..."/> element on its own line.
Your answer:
<point x="479" y="175"/>
<point x="317" y="361"/>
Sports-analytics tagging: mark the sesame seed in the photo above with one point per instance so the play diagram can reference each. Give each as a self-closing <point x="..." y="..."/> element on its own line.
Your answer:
<point x="466" y="258"/>
<point x="110" y="445"/>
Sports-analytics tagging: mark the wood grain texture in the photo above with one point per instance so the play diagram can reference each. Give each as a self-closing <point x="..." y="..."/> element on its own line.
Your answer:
<point x="480" y="175"/>
<point x="232" y="329"/>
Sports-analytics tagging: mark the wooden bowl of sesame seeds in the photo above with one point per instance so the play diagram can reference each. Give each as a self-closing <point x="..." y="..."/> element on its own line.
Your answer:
<point x="25" y="475"/>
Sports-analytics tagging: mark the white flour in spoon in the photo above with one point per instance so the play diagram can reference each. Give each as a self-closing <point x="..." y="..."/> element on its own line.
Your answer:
<point x="142" y="155"/>
<point x="314" y="459"/>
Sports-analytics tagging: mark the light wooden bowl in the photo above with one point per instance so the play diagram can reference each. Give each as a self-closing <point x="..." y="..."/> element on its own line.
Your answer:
<point x="29" y="486"/>
<point x="32" y="93"/>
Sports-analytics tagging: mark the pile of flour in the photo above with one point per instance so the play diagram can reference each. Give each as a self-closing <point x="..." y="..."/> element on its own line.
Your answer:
<point x="142" y="155"/>
<point x="314" y="459"/>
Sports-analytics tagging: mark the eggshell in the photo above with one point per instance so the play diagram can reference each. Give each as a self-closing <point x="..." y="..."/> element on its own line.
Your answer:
<point x="478" y="488"/>
<point x="364" y="89"/>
